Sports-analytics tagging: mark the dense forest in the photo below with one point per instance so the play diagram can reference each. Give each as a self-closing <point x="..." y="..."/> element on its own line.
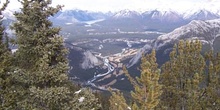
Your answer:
<point x="35" y="77"/>
<point x="188" y="81"/>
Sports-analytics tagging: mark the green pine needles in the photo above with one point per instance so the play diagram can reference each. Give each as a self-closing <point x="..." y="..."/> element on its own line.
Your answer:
<point x="188" y="81"/>
<point x="35" y="76"/>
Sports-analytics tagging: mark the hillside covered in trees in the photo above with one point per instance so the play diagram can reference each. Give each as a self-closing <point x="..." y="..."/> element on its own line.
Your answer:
<point x="188" y="81"/>
<point x="35" y="77"/>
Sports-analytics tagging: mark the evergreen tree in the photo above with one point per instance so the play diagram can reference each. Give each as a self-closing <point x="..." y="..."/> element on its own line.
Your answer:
<point x="117" y="101"/>
<point x="211" y="95"/>
<point x="6" y="95"/>
<point x="181" y="77"/>
<point x="85" y="100"/>
<point x="41" y="56"/>
<point x="135" y="107"/>
<point x="147" y="88"/>
<point x="36" y="36"/>
<point x="4" y="48"/>
<point x="103" y="99"/>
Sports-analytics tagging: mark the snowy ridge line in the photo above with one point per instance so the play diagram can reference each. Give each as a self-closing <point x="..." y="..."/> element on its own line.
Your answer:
<point x="206" y="31"/>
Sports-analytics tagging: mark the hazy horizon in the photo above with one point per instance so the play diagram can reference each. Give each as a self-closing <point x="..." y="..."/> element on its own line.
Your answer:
<point x="140" y="5"/>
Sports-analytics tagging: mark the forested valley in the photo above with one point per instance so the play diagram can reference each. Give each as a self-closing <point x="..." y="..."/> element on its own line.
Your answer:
<point x="35" y="77"/>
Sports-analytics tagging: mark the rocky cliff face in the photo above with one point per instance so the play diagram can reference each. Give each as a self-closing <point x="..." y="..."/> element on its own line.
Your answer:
<point x="89" y="60"/>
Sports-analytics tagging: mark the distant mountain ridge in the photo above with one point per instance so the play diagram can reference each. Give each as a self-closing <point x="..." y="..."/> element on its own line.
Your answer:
<point x="128" y="20"/>
<point x="162" y="15"/>
<point x="169" y="15"/>
<point x="79" y="16"/>
<point x="208" y="32"/>
<point x="84" y="15"/>
<point x="126" y="14"/>
<point x="201" y="15"/>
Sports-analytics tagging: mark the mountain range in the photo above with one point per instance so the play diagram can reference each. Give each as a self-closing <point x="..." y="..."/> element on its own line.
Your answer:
<point x="128" y="20"/>
<point x="125" y="20"/>
<point x="208" y="32"/>
<point x="155" y="14"/>
<point x="122" y="37"/>
<point x="170" y="15"/>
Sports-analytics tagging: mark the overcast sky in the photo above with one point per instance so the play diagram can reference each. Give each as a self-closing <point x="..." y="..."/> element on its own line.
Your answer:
<point x="115" y="5"/>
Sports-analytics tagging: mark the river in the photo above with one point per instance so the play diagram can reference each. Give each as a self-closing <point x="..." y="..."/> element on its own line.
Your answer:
<point x="110" y="69"/>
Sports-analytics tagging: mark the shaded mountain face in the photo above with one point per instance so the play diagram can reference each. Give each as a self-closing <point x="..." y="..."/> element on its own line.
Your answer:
<point x="163" y="21"/>
<point x="82" y="58"/>
<point x="78" y="15"/>
<point x="75" y="16"/>
<point x="208" y="32"/>
<point x="83" y="64"/>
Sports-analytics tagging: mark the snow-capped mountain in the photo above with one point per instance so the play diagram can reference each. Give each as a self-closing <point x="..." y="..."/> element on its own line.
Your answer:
<point x="208" y="32"/>
<point x="8" y="19"/>
<point x="200" y="15"/>
<point x="74" y="15"/>
<point x="163" y="16"/>
<point x="126" y="14"/>
<point x="152" y="19"/>
<point x="205" y="31"/>
<point x="77" y="15"/>
<point x="9" y="14"/>
<point x="168" y="15"/>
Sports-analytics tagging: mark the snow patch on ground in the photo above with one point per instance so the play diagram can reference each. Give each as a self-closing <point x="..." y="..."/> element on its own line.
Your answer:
<point x="77" y="92"/>
<point x="14" y="50"/>
<point x="81" y="99"/>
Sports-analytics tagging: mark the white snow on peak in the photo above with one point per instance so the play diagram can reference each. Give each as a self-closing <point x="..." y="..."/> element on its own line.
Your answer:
<point x="193" y="13"/>
<point x="165" y="14"/>
<point x="205" y="31"/>
<point x="189" y="31"/>
<point x="126" y="14"/>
